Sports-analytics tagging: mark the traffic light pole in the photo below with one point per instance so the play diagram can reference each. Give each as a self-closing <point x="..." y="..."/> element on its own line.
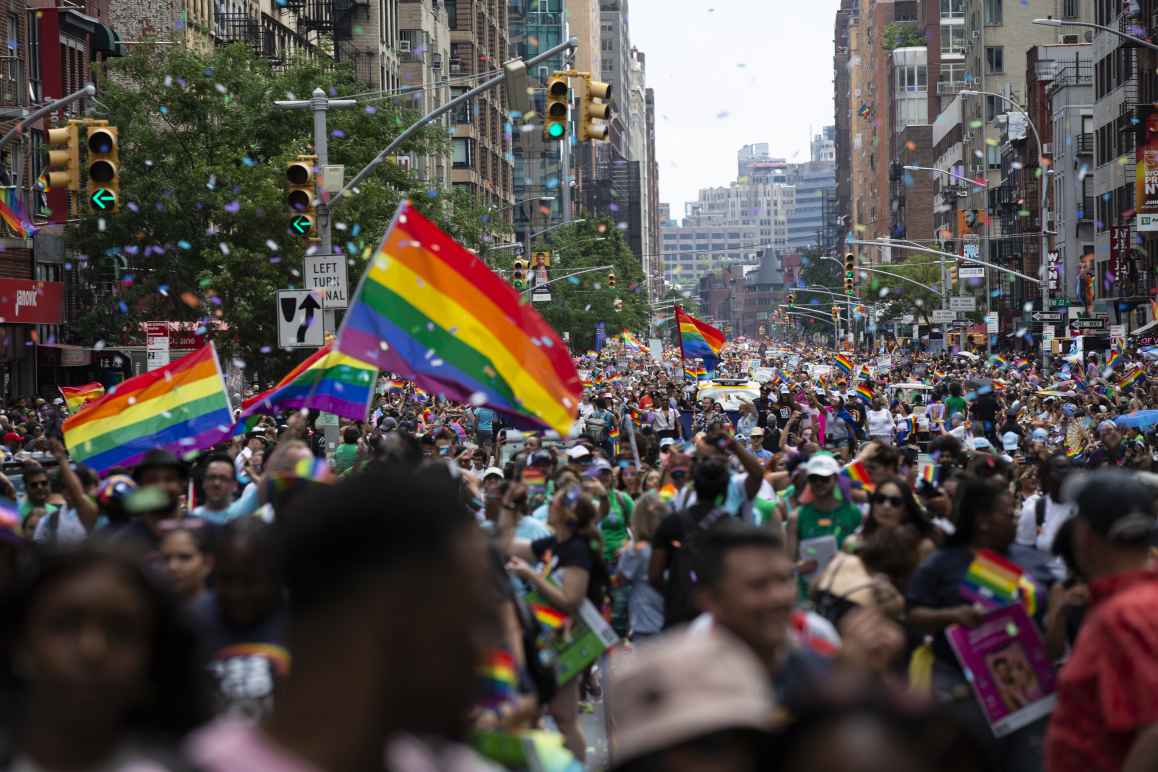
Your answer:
<point x="321" y="104"/>
<point x="438" y="112"/>
<point x="36" y="115"/>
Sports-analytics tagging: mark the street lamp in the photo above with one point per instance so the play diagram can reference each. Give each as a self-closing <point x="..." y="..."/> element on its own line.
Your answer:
<point x="1044" y="184"/>
<point x="948" y="174"/>
<point x="1051" y="22"/>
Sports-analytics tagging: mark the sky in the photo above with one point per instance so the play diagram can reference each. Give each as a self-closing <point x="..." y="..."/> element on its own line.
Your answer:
<point x="728" y="73"/>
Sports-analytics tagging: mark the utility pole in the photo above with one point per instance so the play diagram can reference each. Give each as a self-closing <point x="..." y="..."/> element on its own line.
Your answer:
<point x="319" y="103"/>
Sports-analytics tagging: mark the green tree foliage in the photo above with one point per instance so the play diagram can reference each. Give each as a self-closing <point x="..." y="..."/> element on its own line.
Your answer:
<point x="901" y="35"/>
<point x="202" y="232"/>
<point x="898" y="297"/>
<point x="578" y="303"/>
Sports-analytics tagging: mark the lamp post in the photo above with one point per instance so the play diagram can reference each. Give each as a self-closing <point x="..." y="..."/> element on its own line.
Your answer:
<point x="1051" y="22"/>
<point x="1044" y="184"/>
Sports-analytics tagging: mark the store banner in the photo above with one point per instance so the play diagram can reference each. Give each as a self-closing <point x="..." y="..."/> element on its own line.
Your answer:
<point x="23" y="301"/>
<point x="1146" y="174"/>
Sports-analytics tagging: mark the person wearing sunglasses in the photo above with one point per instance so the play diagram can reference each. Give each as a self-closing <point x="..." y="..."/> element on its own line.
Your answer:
<point x="893" y="505"/>
<point x="36" y="491"/>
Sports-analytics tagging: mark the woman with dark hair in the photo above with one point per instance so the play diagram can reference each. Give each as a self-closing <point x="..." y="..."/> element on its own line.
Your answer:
<point x="99" y="672"/>
<point x="893" y="505"/>
<point x="983" y="520"/>
<point x="575" y="573"/>
<point x="188" y="559"/>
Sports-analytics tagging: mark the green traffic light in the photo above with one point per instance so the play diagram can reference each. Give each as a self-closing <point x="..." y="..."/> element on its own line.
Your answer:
<point x="555" y="130"/>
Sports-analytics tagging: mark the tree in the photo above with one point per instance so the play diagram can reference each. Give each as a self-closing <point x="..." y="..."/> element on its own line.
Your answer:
<point x="580" y="302"/>
<point x="901" y="35"/>
<point x="203" y="223"/>
<point x="898" y="297"/>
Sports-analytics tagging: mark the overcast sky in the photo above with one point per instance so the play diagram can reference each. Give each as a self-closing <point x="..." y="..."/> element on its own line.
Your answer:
<point x="727" y="73"/>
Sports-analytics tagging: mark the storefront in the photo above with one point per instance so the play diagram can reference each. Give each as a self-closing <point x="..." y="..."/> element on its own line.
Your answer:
<point x="24" y="304"/>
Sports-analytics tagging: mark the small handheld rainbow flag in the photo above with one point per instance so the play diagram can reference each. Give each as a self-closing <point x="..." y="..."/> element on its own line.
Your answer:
<point x="998" y="360"/>
<point x="548" y="617"/>
<point x="928" y="473"/>
<point x="858" y="475"/>
<point x="77" y="397"/>
<point x="1128" y="380"/>
<point x="498" y="678"/>
<point x="631" y="343"/>
<point x="991" y="580"/>
<point x="668" y="492"/>
<point x="865" y="392"/>
<point x="843" y="363"/>
<point x="906" y="425"/>
<point x="1115" y="358"/>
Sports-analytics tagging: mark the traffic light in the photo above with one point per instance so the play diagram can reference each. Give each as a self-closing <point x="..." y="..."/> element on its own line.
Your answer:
<point x="791" y="298"/>
<point x="64" y="157"/>
<point x="611" y="279"/>
<point x="558" y="107"/>
<point x="953" y="272"/>
<point x="850" y="273"/>
<point x="836" y="312"/>
<point x="519" y="273"/>
<point x="302" y="196"/>
<point x="104" y="185"/>
<point x="594" y="110"/>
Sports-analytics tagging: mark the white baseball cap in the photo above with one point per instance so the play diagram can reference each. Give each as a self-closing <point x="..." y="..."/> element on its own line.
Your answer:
<point x="822" y="465"/>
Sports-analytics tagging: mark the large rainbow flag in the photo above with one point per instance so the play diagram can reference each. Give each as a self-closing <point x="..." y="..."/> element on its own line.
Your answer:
<point x="327" y="380"/>
<point x="180" y="407"/>
<point x="430" y="311"/>
<point x="77" y="397"/>
<point x="698" y="339"/>
<point x="632" y="343"/>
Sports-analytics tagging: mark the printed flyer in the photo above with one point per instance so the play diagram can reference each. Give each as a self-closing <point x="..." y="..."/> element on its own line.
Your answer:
<point x="1005" y="660"/>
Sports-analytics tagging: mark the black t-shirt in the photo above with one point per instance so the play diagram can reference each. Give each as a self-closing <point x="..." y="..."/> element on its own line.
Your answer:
<point x="577" y="552"/>
<point x="985" y="408"/>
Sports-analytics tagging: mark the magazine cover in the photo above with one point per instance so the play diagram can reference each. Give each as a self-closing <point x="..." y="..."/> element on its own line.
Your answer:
<point x="1005" y="660"/>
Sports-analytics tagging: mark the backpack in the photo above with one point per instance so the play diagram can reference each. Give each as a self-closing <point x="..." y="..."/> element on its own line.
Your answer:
<point x="596" y="425"/>
<point x="679" y="593"/>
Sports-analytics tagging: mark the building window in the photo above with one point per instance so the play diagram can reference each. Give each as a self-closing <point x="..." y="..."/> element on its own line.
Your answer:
<point x="952" y="9"/>
<point x="953" y="39"/>
<point x="460" y="153"/>
<point x="993" y="13"/>
<point x="994" y="59"/>
<point x="34" y="86"/>
<point x="1071" y="9"/>
<point x="993" y="107"/>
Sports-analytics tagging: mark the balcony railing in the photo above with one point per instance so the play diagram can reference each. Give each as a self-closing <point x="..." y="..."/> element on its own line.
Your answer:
<point x="1087" y="211"/>
<point x="946" y="87"/>
<point x="1084" y="143"/>
<point x="12" y="94"/>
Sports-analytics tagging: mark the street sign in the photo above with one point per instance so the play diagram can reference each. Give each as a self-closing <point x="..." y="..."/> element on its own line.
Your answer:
<point x="1117" y="330"/>
<point x="1047" y="316"/>
<point x="942" y="315"/>
<point x="1059" y="302"/>
<point x="541" y="296"/>
<point x="299" y="325"/>
<point x="962" y="303"/>
<point x="156" y="344"/>
<point x="1047" y="332"/>
<point x="971" y="272"/>
<point x="301" y="225"/>
<point x="1081" y="325"/>
<point x="103" y="199"/>
<point x="333" y="177"/>
<point x="327" y="275"/>
<point x="991" y="322"/>
<point x="1076" y="312"/>
<point x="961" y="324"/>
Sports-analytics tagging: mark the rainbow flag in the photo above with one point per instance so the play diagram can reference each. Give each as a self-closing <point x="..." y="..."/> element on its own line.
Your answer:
<point x="180" y="407"/>
<point x="1114" y="358"/>
<point x="906" y="425"/>
<point x="858" y="476"/>
<point x="498" y="678"/>
<point x="695" y="372"/>
<point x="843" y="363"/>
<point x="929" y="473"/>
<point x="13" y="215"/>
<point x="1128" y="380"/>
<point x="429" y="310"/>
<point x="992" y="580"/>
<point x="631" y="343"/>
<point x="865" y="392"/>
<point x="548" y="617"/>
<point x="77" y="397"/>
<point x="668" y="492"/>
<point x="998" y="360"/>
<point x="698" y="339"/>
<point x="327" y="380"/>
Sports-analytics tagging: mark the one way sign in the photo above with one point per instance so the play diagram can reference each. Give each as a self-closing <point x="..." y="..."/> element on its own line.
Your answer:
<point x="299" y="319"/>
<point x="1047" y="316"/>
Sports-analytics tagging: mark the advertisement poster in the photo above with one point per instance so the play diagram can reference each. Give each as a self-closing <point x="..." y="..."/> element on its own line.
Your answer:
<point x="1119" y="252"/>
<point x="1146" y="175"/>
<point x="1005" y="660"/>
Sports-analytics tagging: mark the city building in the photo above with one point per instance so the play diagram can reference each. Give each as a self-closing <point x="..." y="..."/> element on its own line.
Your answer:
<point x="480" y="134"/>
<point x="652" y="265"/>
<point x="423" y="61"/>
<point x="809" y="223"/>
<point x="842" y="129"/>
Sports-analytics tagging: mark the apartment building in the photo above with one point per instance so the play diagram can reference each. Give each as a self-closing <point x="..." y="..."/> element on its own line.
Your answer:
<point x="423" y="52"/>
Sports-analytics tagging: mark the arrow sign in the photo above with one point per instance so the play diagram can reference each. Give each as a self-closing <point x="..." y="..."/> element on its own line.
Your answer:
<point x="301" y="225"/>
<point x="1088" y="324"/>
<point x="1047" y="316"/>
<point x="103" y="199"/>
<point x="310" y="305"/>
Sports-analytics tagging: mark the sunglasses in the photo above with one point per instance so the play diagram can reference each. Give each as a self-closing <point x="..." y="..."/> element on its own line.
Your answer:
<point x="893" y="501"/>
<point x="679" y="474"/>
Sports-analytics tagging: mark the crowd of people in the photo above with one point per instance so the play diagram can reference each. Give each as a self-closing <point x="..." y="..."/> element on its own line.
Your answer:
<point x="900" y="561"/>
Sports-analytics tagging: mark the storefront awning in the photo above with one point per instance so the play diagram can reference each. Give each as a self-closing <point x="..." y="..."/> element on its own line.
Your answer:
<point x="1149" y="327"/>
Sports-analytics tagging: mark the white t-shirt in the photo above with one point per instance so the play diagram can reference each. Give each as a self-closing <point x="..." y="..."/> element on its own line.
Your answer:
<point x="880" y="423"/>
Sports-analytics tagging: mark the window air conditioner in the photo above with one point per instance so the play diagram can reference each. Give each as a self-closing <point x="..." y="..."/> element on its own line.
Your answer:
<point x="404" y="46"/>
<point x="1047" y="148"/>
